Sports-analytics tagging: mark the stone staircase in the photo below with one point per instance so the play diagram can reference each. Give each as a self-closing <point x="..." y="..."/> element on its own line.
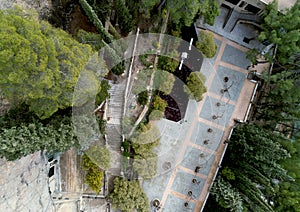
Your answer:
<point x="114" y="125"/>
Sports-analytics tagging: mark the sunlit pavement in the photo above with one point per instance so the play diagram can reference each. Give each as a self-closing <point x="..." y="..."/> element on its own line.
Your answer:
<point x="198" y="140"/>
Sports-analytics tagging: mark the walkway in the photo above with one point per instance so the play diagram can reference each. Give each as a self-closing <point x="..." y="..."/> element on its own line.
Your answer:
<point x="114" y="125"/>
<point x="199" y="139"/>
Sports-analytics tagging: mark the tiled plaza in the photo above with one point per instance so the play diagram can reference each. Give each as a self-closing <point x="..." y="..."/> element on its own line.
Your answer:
<point x="198" y="141"/>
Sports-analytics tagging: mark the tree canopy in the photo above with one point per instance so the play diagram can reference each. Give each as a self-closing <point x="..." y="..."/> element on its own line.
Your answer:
<point x="288" y="195"/>
<point x="145" y="160"/>
<point x="27" y="138"/>
<point x="206" y="44"/>
<point x="164" y="81"/>
<point x="94" y="175"/>
<point x="39" y="64"/>
<point x="250" y="169"/>
<point x="195" y="87"/>
<point x="129" y="195"/>
<point x="209" y="10"/>
<point x="283" y="29"/>
<point x="169" y="64"/>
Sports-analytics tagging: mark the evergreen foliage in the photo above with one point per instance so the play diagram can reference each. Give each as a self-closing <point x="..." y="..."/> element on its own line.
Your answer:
<point x="102" y="93"/>
<point x="206" y="44"/>
<point x="129" y="195"/>
<point x="94" y="176"/>
<point x="39" y="65"/>
<point x="283" y="29"/>
<point x="102" y="8"/>
<point x="250" y="168"/>
<point x="94" y="40"/>
<point x="195" y="87"/>
<point x="145" y="161"/>
<point x="209" y="10"/>
<point x="166" y="63"/>
<point x="99" y="155"/>
<point x="159" y="104"/>
<point x="164" y="81"/>
<point x="288" y="195"/>
<point x="27" y="138"/>
<point x="95" y="20"/>
<point x="226" y="195"/>
<point x="143" y="98"/>
<point x="124" y="17"/>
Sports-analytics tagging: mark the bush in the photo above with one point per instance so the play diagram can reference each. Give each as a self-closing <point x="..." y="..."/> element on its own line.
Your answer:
<point x="102" y="92"/>
<point x="143" y="98"/>
<point x="206" y="44"/>
<point x="128" y="195"/>
<point x="195" y="86"/>
<point x="159" y="104"/>
<point x="94" y="176"/>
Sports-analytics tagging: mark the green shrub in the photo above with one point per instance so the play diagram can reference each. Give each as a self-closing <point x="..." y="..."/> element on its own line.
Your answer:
<point x="206" y="44"/>
<point x="143" y="98"/>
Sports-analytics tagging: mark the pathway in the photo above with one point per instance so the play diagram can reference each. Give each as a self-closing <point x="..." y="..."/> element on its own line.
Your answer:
<point x="114" y="125"/>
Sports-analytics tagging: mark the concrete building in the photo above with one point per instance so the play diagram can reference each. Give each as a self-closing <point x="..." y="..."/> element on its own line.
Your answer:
<point x="248" y="11"/>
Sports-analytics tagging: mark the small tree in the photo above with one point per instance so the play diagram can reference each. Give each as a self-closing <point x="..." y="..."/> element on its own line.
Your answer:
<point x="283" y="29"/>
<point x="94" y="176"/>
<point x="159" y="104"/>
<point x="209" y="10"/>
<point x="226" y="195"/>
<point x="207" y="44"/>
<point x="128" y="195"/>
<point x="167" y="63"/>
<point x="143" y="98"/>
<point x="195" y="86"/>
<point x="102" y="93"/>
<point x="164" y="81"/>
<point x="100" y="155"/>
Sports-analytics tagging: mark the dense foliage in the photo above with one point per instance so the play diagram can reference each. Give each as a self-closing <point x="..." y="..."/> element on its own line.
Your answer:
<point x="145" y="161"/>
<point x="288" y="195"/>
<point x="94" y="40"/>
<point x="113" y="52"/>
<point x="195" y="87"/>
<point x="283" y="30"/>
<point x="206" y="44"/>
<point x="164" y="81"/>
<point x="143" y="98"/>
<point x="209" y="10"/>
<point x="99" y="155"/>
<point x="108" y="38"/>
<point x="252" y="169"/>
<point x="167" y="63"/>
<point x="27" y="138"/>
<point x="102" y="8"/>
<point x="102" y="93"/>
<point x="280" y="100"/>
<point x="94" y="175"/>
<point x="38" y="63"/>
<point x="128" y="195"/>
<point x="124" y="17"/>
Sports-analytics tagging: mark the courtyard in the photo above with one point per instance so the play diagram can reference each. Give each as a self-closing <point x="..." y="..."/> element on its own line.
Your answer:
<point x="190" y="150"/>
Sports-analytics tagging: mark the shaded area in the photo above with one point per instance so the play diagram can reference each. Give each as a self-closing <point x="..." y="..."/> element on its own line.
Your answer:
<point x="178" y="99"/>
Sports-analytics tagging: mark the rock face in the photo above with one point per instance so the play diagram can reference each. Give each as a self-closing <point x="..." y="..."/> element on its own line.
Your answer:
<point x="24" y="184"/>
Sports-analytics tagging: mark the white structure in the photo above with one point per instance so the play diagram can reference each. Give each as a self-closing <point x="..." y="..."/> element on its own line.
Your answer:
<point x="184" y="56"/>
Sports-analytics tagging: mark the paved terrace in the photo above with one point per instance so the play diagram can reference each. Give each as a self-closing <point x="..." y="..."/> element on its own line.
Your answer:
<point x="188" y="144"/>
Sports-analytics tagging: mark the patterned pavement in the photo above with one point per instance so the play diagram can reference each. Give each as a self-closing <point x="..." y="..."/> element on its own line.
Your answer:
<point x="198" y="141"/>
